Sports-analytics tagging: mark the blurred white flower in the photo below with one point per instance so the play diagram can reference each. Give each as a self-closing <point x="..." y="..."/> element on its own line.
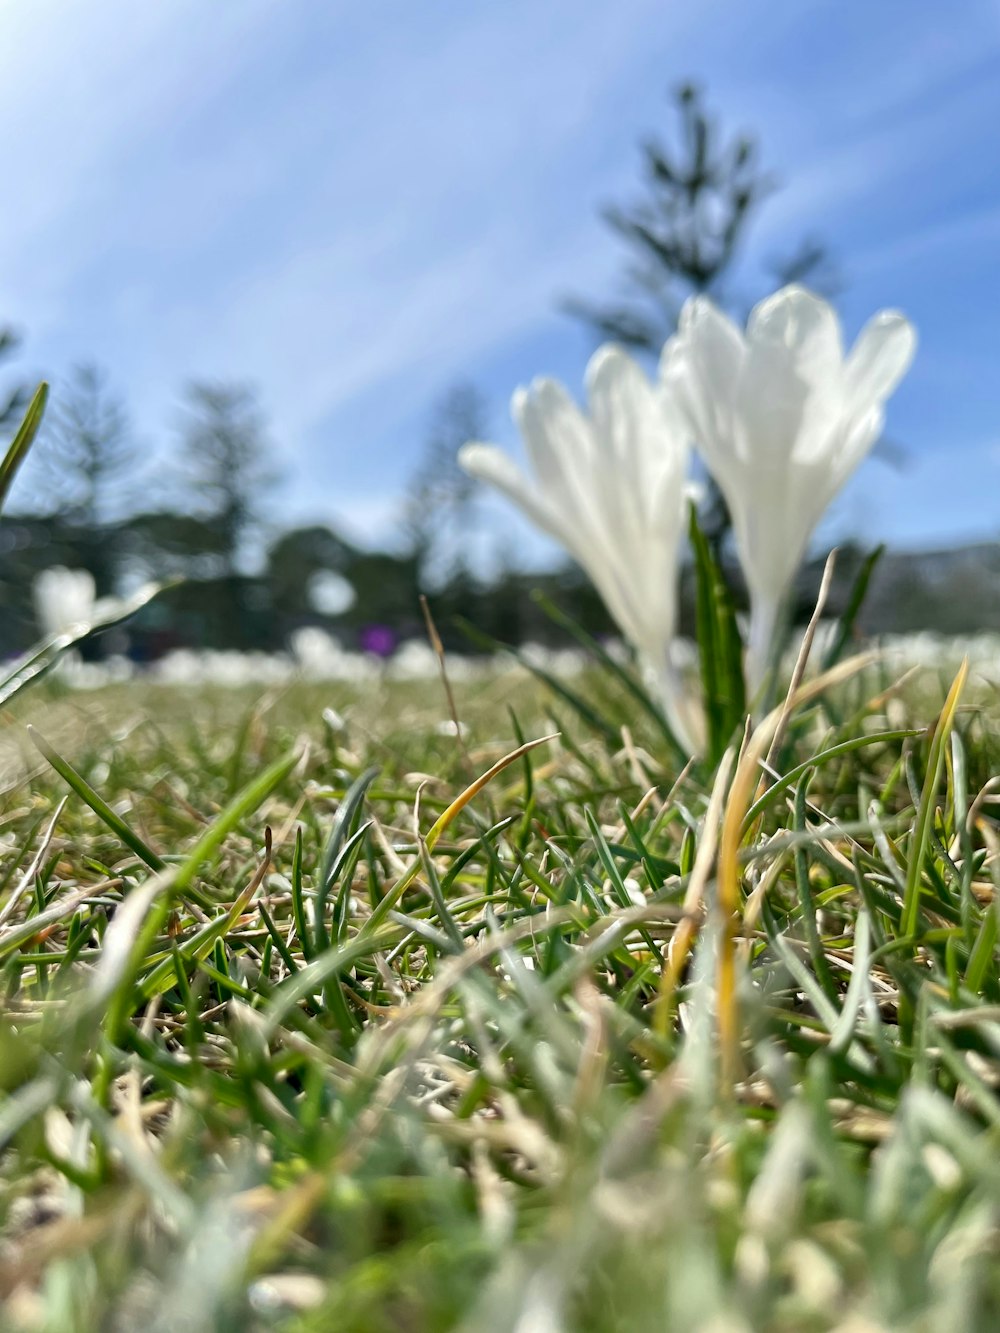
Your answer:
<point x="95" y="675"/>
<point x="448" y="727"/>
<point x="563" y="662"/>
<point x="782" y="419"/>
<point x="944" y="652"/>
<point x="414" y="660"/>
<point x="330" y="593"/>
<point x="610" y="488"/>
<point x="188" y="666"/>
<point x="181" y="666"/>
<point x="319" y="656"/>
<point x="64" y="600"/>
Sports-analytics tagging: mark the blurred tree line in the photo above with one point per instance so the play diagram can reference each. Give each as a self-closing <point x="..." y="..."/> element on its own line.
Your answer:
<point x="94" y="507"/>
<point x="88" y="503"/>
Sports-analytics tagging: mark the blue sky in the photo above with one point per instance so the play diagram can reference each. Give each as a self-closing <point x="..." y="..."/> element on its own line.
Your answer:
<point x="354" y="204"/>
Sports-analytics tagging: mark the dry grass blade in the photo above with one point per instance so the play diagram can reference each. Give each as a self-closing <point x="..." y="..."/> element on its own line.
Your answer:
<point x="438" y="647"/>
<point x="474" y="788"/>
<point x="801" y="662"/>
<point x="740" y="796"/>
<point x="689" y="925"/>
<point x="28" y="878"/>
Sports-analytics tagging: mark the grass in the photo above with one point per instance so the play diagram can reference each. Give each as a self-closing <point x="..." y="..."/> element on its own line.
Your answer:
<point x="294" y="1039"/>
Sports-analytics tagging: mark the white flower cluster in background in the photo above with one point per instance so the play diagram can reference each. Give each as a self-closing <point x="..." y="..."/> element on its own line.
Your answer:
<point x="943" y="652"/>
<point x="80" y="675"/>
<point x="65" y="603"/>
<point x="314" y="654"/>
<point x="64" y="600"/>
<point x="781" y="418"/>
<point x="317" y="656"/>
<point x="207" y="666"/>
<point x="67" y="607"/>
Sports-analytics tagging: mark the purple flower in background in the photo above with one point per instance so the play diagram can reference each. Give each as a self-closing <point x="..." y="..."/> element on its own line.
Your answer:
<point x="380" y="640"/>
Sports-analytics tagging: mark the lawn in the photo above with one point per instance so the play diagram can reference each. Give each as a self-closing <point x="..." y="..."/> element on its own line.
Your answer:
<point x="293" y="1038"/>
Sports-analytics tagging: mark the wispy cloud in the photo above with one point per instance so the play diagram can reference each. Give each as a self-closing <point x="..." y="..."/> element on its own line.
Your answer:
<point x="350" y="208"/>
<point x="352" y="205"/>
<point x="977" y="227"/>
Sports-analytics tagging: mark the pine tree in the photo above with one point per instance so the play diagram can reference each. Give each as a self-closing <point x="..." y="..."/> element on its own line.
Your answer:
<point x="85" y="468"/>
<point x="684" y="237"/>
<point x="441" y="494"/>
<point x="226" y="466"/>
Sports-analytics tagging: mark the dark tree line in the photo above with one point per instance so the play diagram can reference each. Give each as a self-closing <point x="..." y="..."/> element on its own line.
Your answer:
<point x="204" y="515"/>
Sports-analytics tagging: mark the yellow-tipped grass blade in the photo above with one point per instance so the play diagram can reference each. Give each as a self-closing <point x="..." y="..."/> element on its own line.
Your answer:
<point x="690" y="923"/>
<point x="925" y="815"/>
<point x="741" y="794"/>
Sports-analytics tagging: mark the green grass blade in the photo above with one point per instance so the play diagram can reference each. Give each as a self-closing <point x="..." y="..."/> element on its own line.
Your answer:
<point x="720" y="649"/>
<point x="22" y="441"/>
<point x="40" y="659"/>
<point x="917" y="851"/>
<point x="244" y="803"/>
<point x="817" y="761"/>
<point x="342" y="825"/>
<point x="100" y="807"/>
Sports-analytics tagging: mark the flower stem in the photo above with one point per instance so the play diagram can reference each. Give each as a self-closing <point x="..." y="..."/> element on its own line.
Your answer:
<point x="665" y="681"/>
<point x="764" y="614"/>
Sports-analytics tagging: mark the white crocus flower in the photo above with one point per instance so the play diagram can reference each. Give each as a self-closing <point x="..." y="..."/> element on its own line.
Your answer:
<point x="610" y="489"/>
<point x="64" y="600"/>
<point x="782" y="419"/>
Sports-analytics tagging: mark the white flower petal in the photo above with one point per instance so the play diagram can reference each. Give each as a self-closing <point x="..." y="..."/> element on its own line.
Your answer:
<point x="803" y="323"/>
<point x="718" y="340"/>
<point x="790" y="395"/>
<point x="683" y="387"/>
<point x="701" y="369"/>
<point x="622" y="406"/>
<point x="625" y="434"/>
<point x="582" y="484"/>
<point x="632" y="430"/>
<point x="879" y="360"/>
<point x="487" y="463"/>
<point x="858" y="435"/>
<point x="640" y="428"/>
<point x="555" y="434"/>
